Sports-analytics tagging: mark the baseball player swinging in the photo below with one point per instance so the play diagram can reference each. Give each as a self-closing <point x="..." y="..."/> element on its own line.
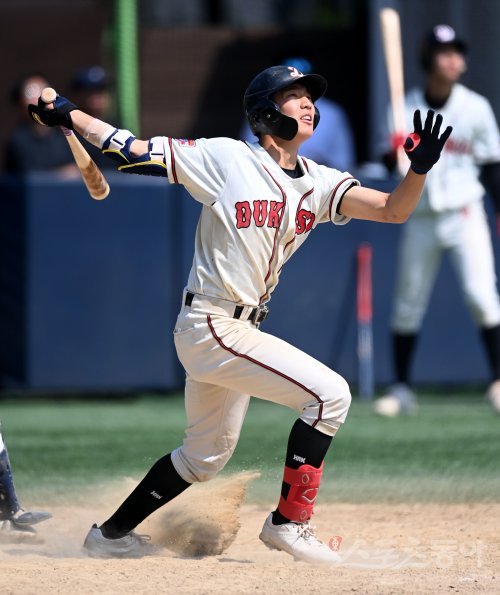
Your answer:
<point x="260" y="203"/>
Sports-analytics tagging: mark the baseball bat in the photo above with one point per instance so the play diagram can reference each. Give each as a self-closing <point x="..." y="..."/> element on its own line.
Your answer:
<point x="96" y="183"/>
<point x="365" y="325"/>
<point x="393" y="56"/>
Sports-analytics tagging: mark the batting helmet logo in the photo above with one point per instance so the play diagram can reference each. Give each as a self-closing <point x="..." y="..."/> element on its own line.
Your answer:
<point x="294" y="72"/>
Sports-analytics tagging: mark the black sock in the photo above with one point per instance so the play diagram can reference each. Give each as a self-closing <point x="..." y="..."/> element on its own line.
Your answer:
<point x="306" y="446"/>
<point x="161" y="484"/>
<point x="491" y="341"/>
<point x="403" y="346"/>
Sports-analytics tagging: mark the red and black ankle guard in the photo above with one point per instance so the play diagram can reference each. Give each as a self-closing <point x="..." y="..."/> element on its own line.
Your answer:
<point x="304" y="485"/>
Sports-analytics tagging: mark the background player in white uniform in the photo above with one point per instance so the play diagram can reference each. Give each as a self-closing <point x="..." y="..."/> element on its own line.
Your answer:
<point x="450" y="216"/>
<point x="260" y="202"/>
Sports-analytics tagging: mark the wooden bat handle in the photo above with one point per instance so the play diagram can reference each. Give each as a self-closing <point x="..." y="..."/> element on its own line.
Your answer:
<point x="96" y="183"/>
<point x="48" y="95"/>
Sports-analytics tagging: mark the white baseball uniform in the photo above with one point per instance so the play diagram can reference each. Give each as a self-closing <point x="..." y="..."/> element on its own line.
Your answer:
<point x="451" y="215"/>
<point x="254" y="217"/>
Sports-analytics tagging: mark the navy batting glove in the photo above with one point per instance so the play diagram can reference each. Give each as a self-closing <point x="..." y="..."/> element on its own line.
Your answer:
<point x="424" y="145"/>
<point x="59" y="115"/>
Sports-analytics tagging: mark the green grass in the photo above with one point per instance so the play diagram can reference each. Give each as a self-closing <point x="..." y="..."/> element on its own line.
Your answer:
<point x="449" y="452"/>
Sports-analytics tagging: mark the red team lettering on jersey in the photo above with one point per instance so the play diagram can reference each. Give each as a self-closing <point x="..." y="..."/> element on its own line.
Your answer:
<point x="262" y="211"/>
<point x="304" y="222"/>
<point x="268" y="212"/>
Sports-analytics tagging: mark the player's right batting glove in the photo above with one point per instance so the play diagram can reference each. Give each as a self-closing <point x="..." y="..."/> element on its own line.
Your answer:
<point x="59" y="115"/>
<point x="424" y="145"/>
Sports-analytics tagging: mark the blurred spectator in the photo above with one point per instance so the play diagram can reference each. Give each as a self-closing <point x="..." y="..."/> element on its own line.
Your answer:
<point x="332" y="143"/>
<point x="90" y="92"/>
<point x="32" y="147"/>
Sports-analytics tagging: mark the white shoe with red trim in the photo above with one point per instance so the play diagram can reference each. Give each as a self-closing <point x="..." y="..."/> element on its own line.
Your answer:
<point x="298" y="540"/>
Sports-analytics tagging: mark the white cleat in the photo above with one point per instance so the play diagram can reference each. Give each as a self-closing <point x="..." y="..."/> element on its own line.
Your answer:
<point x="493" y="395"/>
<point x="399" y="400"/>
<point x="298" y="540"/>
<point x="131" y="545"/>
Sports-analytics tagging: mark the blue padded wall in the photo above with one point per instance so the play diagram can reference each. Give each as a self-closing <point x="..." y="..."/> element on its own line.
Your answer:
<point x="89" y="291"/>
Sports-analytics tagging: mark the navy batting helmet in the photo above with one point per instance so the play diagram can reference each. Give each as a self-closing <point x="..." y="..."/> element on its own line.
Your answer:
<point x="262" y="111"/>
<point x="440" y="36"/>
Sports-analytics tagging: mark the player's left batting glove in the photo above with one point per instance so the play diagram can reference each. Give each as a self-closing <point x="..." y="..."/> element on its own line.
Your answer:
<point x="424" y="145"/>
<point x="59" y="115"/>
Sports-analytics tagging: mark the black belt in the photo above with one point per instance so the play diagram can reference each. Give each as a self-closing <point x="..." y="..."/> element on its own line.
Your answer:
<point x="257" y="315"/>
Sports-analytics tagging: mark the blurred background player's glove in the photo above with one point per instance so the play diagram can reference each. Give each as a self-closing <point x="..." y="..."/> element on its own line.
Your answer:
<point x="424" y="145"/>
<point x="58" y="115"/>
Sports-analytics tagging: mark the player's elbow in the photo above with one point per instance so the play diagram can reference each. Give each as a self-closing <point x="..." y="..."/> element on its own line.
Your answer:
<point x="401" y="218"/>
<point x="394" y="216"/>
<point x="394" y="209"/>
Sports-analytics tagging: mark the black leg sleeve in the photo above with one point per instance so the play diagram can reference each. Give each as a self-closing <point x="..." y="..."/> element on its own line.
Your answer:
<point x="159" y="486"/>
<point x="306" y="446"/>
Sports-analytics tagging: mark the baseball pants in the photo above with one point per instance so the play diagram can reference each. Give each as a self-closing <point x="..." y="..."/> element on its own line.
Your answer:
<point x="228" y="360"/>
<point x="465" y="234"/>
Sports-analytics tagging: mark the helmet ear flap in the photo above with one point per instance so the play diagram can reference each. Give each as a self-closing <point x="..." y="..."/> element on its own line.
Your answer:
<point x="266" y="118"/>
<point x="263" y="116"/>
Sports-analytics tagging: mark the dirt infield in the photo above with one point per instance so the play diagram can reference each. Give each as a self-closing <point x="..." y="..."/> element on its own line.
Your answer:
<point x="405" y="548"/>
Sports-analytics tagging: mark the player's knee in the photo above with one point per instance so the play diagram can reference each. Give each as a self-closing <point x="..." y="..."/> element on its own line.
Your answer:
<point x="407" y="316"/>
<point x="329" y="412"/>
<point x="336" y="407"/>
<point x="486" y="313"/>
